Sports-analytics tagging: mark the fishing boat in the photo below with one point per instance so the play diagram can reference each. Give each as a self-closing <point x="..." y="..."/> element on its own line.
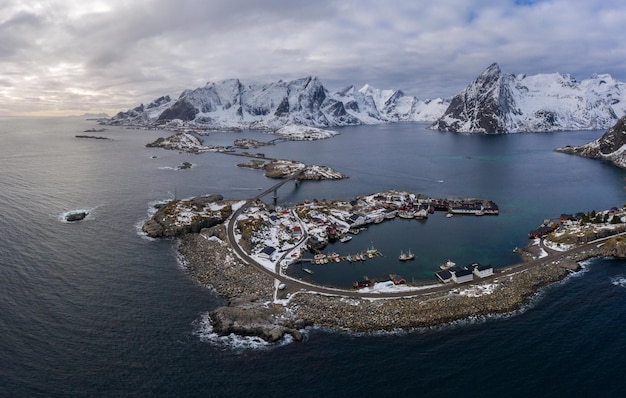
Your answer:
<point x="447" y="265"/>
<point x="406" y="256"/>
<point x="371" y="251"/>
<point x="406" y="214"/>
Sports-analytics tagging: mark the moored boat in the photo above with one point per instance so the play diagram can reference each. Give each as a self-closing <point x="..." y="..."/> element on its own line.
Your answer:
<point x="407" y="214"/>
<point x="447" y="265"/>
<point x="406" y="256"/>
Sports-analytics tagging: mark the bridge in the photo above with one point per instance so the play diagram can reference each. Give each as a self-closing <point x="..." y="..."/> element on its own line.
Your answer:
<point x="274" y="188"/>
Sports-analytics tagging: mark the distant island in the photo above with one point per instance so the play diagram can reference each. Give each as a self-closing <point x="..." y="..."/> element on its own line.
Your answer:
<point x="94" y="137"/>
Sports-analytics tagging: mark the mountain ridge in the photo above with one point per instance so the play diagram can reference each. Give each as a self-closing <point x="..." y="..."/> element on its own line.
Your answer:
<point x="305" y="101"/>
<point x="496" y="103"/>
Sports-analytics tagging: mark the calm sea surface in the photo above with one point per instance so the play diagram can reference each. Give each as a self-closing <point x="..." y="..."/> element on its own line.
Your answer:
<point x="94" y="309"/>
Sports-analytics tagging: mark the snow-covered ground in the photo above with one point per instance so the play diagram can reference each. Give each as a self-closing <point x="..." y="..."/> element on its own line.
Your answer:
<point x="303" y="133"/>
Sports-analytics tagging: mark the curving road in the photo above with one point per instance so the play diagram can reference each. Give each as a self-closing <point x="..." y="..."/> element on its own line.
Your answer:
<point x="295" y="284"/>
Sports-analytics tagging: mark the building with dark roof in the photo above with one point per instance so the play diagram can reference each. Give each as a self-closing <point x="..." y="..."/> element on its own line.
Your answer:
<point x="462" y="275"/>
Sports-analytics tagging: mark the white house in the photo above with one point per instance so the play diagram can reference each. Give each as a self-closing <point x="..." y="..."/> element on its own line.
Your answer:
<point x="483" y="271"/>
<point x="462" y="275"/>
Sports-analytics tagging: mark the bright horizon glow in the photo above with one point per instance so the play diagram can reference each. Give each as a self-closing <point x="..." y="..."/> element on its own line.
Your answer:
<point x="66" y="57"/>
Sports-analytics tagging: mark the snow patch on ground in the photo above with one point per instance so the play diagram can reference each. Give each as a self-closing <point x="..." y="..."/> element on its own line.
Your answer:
<point x="478" y="290"/>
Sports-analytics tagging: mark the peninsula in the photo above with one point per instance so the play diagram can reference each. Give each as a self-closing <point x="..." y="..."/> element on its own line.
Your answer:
<point x="242" y="248"/>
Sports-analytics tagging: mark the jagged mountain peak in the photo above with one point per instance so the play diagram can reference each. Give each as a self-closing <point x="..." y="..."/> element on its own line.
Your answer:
<point x="497" y="103"/>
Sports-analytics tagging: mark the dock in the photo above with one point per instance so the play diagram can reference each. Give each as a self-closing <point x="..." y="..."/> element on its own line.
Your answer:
<point x="322" y="258"/>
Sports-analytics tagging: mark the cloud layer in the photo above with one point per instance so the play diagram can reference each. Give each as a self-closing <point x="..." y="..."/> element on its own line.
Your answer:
<point x="67" y="56"/>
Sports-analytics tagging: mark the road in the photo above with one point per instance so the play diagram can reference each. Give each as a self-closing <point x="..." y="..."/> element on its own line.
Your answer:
<point x="296" y="284"/>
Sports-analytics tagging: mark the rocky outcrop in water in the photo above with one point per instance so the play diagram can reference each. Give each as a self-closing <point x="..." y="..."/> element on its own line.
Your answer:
<point x="76" y="216"/>
<point x="249" y="320"/>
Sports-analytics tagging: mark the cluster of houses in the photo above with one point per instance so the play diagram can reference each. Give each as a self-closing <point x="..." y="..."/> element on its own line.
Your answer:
<point x="464" y="274"/>
<point x="552" y="225"/>
<point x="323" y="222"/>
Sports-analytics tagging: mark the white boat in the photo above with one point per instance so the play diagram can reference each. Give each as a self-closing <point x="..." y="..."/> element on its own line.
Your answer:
<point x="406" y="256"/>
<point x="308" y="271"/>
<point x="345" y="238"/>
<point x="449" y="215"/>
<point x="406" y="214"/>
<point x="447" y="265"/>
<point x="421" y="214"/>
<point x="371" y="252"/>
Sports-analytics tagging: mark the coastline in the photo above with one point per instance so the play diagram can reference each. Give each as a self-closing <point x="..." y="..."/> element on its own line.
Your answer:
<point x="251" y="307"/>
<point x="264" y="303"/>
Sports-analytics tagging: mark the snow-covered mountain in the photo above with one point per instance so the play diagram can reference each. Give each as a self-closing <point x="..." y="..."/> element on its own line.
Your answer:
<point x="498" y="103"/>
<point x="231" y="104"/>
<point x="610" y="146"/>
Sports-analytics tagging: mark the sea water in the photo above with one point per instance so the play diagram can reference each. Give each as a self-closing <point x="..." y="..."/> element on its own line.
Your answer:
<point x="94" y="308"/>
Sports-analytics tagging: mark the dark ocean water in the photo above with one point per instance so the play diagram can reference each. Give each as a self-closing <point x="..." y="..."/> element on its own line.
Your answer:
<point x="95" y="309"/>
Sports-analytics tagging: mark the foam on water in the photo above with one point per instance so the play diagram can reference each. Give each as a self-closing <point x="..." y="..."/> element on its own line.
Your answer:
<point x="152" y="209"/>
<point x="619" y="280"/>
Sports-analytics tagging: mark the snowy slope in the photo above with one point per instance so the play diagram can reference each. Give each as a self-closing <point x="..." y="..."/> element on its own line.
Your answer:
<point x="231" y="104"/>
<point x="499" y="103"/>
<point x="610" y="146"/>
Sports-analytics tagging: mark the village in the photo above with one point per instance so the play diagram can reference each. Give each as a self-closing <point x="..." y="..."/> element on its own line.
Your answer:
<point x="279" y="237"/>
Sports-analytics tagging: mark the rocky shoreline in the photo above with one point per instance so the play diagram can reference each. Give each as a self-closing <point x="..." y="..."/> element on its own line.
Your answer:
<point x="251" y="311"/>
<point x="254" y="306"/>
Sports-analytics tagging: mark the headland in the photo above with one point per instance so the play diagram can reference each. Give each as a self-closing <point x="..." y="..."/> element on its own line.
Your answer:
<point x="241" y="248"/>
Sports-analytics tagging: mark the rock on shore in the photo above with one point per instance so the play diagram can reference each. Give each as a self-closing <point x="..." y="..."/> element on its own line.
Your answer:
<point x="178" y="217"/>
<point x="250" y="311"/>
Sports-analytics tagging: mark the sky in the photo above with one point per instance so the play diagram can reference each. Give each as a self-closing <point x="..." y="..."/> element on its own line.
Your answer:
<point x="60" y="57"/>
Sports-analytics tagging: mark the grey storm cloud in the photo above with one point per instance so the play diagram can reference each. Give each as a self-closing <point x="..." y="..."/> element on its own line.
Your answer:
<point x="111" y="55"/>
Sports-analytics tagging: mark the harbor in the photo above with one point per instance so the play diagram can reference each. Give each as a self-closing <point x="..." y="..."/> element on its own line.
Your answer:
<point x="330" y="230"/>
